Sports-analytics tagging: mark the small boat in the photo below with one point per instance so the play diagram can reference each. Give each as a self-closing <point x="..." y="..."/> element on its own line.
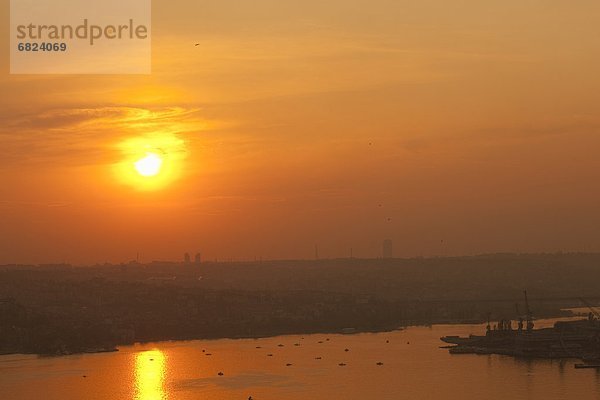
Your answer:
<point x="342" y="364"/>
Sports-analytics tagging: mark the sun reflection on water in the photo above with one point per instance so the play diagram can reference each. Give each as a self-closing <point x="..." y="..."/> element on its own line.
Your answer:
<point x="150" y="370"/>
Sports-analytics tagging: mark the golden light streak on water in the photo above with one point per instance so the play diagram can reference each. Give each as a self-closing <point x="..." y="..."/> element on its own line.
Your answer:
<point x="150" y="370"/>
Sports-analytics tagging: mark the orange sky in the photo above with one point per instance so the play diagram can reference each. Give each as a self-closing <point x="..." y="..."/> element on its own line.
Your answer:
<point x="333" y="122"/>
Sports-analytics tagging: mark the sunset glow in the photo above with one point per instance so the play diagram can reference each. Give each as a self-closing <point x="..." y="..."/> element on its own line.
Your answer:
<point x="270" y="128"/>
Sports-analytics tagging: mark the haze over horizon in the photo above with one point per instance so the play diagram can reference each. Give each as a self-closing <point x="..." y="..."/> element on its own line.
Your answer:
<point x="452" y="129"/>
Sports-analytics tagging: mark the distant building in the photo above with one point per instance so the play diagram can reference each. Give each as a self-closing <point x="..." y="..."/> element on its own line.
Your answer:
<point x="198" y="258"/>
<point x="186" y="258"/>
<point x="387" y="248"/>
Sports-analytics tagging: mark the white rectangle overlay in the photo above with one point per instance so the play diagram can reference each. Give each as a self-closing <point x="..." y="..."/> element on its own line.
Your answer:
<point x="80" y="37"/>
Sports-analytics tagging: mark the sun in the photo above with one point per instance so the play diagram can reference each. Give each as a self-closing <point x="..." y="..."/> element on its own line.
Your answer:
<point x="149" y="166"/>
<point x="150" y="162"/>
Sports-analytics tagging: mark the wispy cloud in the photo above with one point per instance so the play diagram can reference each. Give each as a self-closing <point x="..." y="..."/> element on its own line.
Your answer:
<point x="99" y="117"/>
<point x="87" y="133"/>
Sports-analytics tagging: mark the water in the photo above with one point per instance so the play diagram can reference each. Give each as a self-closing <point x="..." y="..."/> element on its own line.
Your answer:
<point x="414" y="367"/>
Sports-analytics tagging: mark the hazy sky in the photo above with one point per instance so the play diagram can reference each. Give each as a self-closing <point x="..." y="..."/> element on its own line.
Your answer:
<point x="334" y="122"/>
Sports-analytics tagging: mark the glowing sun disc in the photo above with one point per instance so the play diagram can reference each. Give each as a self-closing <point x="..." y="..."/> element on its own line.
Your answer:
<point x="149" y="165"/>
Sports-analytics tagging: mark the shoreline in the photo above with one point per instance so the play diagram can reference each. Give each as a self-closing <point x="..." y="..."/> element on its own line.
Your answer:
<point x="346" y="331"/>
